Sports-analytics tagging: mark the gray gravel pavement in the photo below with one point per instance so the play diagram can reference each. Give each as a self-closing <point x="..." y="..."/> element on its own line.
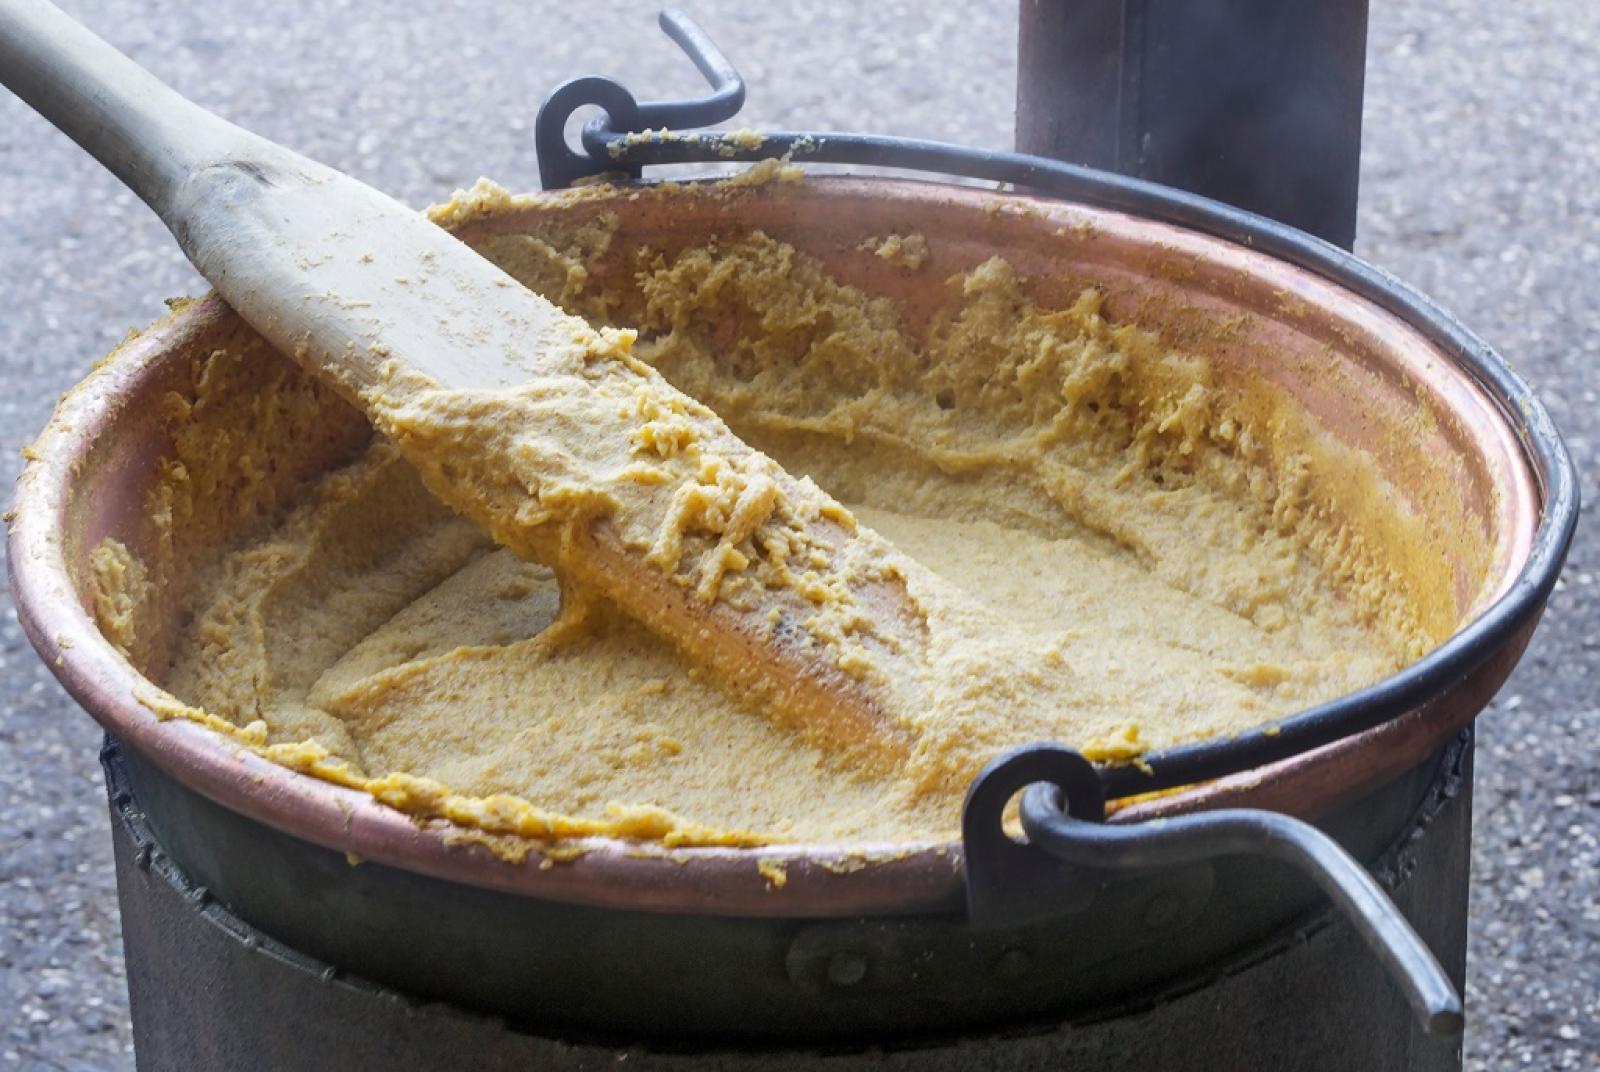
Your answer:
<point x="1481" y="185"/>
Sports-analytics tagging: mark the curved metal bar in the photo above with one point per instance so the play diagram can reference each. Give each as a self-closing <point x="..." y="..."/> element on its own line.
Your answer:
<point x="1095" y="847"/>
<point x="1009" y="883"/>
<point x="611" y="150"/>
<point x="727" y="85"/>
<point x="1353" y="712"/>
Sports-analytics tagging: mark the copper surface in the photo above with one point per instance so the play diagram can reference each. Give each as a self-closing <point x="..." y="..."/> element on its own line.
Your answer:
<point x="97" y="456"/>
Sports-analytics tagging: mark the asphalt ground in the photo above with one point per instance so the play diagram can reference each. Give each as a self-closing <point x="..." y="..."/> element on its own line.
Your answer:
<point x="1480" y="185"/>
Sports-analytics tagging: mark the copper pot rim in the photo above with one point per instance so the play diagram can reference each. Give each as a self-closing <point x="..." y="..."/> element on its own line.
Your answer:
<point x="817" y="880"/>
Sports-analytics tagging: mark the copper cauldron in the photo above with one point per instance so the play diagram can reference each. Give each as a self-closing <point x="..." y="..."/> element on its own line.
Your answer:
<point x="644" y="941"/>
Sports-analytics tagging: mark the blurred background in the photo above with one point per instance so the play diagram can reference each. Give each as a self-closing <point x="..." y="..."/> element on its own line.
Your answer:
<point x="1480" y="185"/>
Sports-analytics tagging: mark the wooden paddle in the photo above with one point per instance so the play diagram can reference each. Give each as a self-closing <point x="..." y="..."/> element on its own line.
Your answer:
<point x="376" y="299"/>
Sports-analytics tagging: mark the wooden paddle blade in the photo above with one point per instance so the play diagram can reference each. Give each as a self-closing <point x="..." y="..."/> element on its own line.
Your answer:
<point x="358" y="286"/>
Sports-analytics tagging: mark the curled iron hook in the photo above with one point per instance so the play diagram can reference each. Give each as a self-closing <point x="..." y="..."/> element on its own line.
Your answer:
<point x="560" y="165"/>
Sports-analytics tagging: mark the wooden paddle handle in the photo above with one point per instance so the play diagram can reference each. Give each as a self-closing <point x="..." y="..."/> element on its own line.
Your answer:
<point x="144" y="132"/>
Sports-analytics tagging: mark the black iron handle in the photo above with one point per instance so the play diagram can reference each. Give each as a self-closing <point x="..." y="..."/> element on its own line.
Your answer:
<point x="1069" y="845"/>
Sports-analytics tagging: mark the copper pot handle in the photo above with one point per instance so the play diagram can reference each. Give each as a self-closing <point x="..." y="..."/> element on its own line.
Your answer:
<point x="1070" y="849"/>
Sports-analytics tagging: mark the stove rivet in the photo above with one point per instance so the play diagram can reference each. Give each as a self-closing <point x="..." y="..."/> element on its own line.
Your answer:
<point x="1162" y="909"/>
<point x="1013" y="964"/>
<point x="846" y="969"/>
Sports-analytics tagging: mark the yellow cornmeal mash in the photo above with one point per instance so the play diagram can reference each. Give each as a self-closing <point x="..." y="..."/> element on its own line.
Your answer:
<point x="1111" y="567"/>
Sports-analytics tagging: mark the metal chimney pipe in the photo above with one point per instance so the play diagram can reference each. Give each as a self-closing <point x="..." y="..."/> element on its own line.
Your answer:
<point x="1252" y="102"/>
